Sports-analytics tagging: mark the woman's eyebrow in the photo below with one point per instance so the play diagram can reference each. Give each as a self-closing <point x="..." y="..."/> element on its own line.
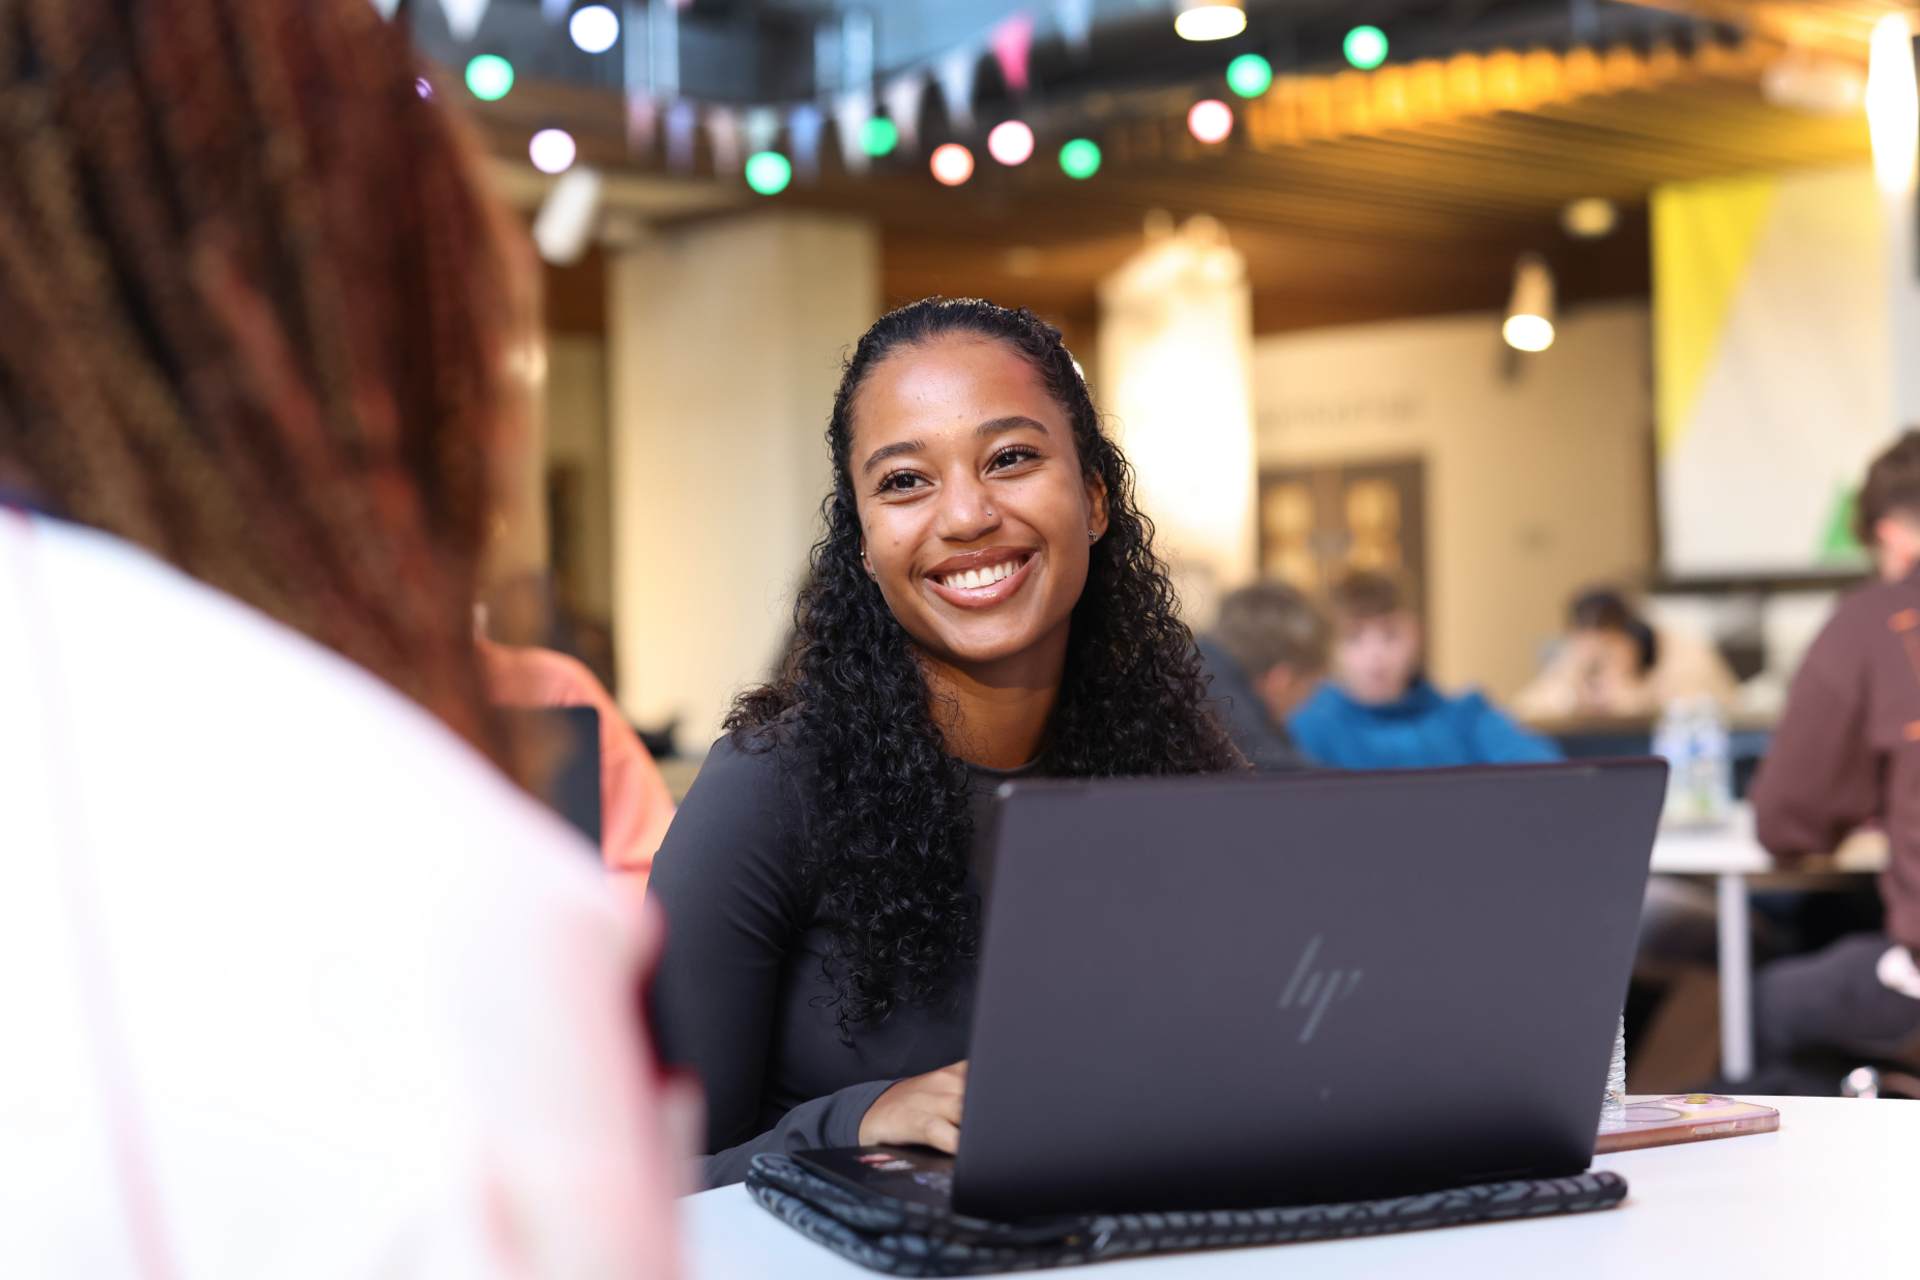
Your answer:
<point x="893" y="450"/>
<point x="1012" y="422"/>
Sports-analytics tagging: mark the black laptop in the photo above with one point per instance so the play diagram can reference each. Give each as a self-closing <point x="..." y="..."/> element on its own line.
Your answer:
<point x="1241" y="992"/>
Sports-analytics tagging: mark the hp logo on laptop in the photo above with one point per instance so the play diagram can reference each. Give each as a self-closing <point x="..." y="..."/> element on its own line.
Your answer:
<point x="1315" y="990"/>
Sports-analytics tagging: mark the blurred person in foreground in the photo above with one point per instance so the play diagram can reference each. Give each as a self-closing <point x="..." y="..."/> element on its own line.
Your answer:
<point x="1613" y="662"/>
<point x="1265" y="654"/>
<point x="1379" y="712"/>
<point x="298" y="981"/>
<point x="1847" y="752"/>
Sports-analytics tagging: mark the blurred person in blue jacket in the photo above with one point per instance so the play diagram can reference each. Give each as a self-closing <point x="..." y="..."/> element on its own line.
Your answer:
<point x="1380" y="712"/>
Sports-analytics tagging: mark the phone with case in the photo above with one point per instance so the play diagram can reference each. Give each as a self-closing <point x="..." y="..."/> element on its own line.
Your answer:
<point x="1682" y="1117"/>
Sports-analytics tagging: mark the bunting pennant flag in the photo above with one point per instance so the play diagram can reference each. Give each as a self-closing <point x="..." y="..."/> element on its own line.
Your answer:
<point x="1012" y="43"/>
<point x="761" y="128"/>
<point x="851" y="111"/>
<point x="1075" y="20"/>
<point x="723" y="136"/>
<point x="643" y="123"/>
<point x="387" y="8"/>
<point x="804" y="124"/>
<point x="464" y="16"/>
<point x="955" y="72"/>
<point x="682" y="119"/>
<point x="903" y="94"/>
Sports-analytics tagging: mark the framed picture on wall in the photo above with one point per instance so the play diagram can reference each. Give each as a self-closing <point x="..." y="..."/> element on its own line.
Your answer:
<point x="1320" y="522"/>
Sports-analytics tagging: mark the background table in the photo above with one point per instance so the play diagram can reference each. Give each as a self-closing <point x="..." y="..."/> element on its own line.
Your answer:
<point x="1831" y="1194"/>
<point x="1733" y="856"/>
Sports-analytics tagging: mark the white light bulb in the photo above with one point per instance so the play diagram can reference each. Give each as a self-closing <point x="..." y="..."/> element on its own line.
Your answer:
<point x="552" y="151"/>
<point x="594" y="28"/>
<point x="1011" y="142"/>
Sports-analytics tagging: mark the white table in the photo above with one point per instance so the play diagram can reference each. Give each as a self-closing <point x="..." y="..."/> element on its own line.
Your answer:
<point x="1831" y="1194"/>
<point x="1733" y="856"/>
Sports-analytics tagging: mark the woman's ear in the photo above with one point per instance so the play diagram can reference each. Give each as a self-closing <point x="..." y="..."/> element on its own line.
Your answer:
<point x="1096" y="507"/>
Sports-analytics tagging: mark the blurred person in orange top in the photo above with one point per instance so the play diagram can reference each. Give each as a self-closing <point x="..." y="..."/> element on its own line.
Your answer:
<point x="635" y="804"/>
<point x="298" y="981"/>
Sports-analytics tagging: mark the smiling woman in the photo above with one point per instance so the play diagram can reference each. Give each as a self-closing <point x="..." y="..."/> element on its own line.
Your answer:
<point x="985" y="604"/>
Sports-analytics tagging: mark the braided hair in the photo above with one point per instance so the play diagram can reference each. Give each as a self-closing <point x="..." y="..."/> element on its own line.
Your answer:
<point x="253" y="312"/>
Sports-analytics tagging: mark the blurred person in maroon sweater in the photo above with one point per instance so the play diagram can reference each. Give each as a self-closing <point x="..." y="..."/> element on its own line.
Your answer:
<point x="1846" y="753"/>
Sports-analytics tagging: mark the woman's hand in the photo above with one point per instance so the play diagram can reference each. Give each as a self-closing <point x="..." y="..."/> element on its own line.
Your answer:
<point x="921" y="1111"/>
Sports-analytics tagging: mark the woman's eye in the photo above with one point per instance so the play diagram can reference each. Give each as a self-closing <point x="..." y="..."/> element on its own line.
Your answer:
<point x="900" y="482"/>
<point x="1013" y="457"/>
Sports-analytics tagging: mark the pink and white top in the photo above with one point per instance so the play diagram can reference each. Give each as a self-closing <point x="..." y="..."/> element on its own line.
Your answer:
<point x="295" y="983"/>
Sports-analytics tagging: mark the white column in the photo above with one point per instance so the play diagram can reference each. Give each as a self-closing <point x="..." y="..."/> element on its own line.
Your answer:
<point x="1176" y="369"/>
<point x="724" y="348"/>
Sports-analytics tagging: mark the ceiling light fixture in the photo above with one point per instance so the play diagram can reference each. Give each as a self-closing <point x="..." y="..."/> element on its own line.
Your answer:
<point x="1590" y="218"/>
<point x="1529" y="325"/>
<point x="1893" y="104"/>
<point x="1209" y="19"/>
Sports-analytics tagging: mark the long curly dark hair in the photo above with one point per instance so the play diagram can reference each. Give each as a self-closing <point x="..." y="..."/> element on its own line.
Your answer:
<point x="888" y="851"/>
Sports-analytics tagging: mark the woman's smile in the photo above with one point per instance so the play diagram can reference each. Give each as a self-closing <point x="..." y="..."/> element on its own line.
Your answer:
<point x="982" y="579"/>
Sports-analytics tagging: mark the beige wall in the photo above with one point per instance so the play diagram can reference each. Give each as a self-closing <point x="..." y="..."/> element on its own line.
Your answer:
<point x="1537" y="483"/>
<point x="577" y="439"/>
<point x="724" y="349"/>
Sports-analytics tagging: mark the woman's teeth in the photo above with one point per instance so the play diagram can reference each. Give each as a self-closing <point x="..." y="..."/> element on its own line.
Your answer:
<point x="974" y="579"/>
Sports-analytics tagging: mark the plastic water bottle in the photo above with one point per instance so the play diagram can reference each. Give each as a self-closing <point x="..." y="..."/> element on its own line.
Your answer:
<point x="1692" y="736"/>
<point x="1616" y="1100"/>
<point x="1712" y="763"/>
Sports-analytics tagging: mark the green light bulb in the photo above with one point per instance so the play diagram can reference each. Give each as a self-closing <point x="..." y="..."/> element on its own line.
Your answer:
<point x="490" y="77"/>
<point x="1366" y="47"/>
<point x="1080" y="158"/>
<point x="768" y="172"/>
<point x="879" y="136"/>
<point x="1249" y="75"/>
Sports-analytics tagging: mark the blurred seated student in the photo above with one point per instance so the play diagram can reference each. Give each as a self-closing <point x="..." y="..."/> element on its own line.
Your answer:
<point x="297" y="980"/>
<point x="985" y="605"/>
<point x="1614" y="663"/>
<point x="1265" y="654"/>
<point x="635" y="804"/>
<point x="1846" y="753"/>
<point x="1379" y="712"/>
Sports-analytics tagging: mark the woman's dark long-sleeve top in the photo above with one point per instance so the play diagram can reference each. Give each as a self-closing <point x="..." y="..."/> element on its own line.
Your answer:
<point x="740" y="996"/>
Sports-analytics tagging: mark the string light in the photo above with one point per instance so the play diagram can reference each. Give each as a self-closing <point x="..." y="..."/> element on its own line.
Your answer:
<point x="1080" y="158"/>
<point x="768" y="172"/>
<point x="1210" y="120"/>
<point x="552" y="151"/>
<point x="1249" y="75"/>
<point x="490" y="77"/>
<point x="423" y="87"/>
<point x="879" y="136"/>
<point x="1366" y="47"/>
<point x="952" y="164"/>
<point x="1011" y="142"/>
<point x="594" y="28"/>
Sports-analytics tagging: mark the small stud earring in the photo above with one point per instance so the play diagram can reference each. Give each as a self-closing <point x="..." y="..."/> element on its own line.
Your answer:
<point x="1093" y="535"/>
